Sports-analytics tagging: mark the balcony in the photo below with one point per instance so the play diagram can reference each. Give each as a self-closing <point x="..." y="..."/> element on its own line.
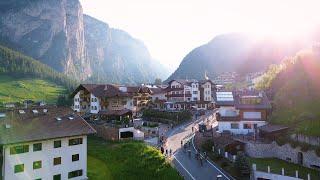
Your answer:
<point x="178" y="95"/>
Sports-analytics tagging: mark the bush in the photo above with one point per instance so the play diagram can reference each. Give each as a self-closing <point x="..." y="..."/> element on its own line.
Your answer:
<point x="317" y="151"/>
<point x="305" y="147"/>
<point x="242" y="165"/>
<point x="224" y="164"/>
<point x="174" y="116"/>
<point x="294" y="144"/>
<point x="207" y="145"/>
<point x="281" y="141"/>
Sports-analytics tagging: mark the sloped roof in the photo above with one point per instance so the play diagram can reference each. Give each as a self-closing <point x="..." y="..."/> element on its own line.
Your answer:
<point x="264" y="104"/>
<point x="31" y="126"/>
<point x="111" y="90"/>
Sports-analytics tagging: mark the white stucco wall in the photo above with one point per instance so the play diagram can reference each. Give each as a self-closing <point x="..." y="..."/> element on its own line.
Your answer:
<point x="160" y="96"/>
<point x="94" y="104"/>
<point x="76" y="102"/>
<point x="46" y="155"/>
<point x="195" y="87"/>
<point x="226" y="126"/>
<point x="207" y="91"/>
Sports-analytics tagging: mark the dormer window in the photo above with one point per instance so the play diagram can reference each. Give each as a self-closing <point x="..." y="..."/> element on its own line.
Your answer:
<point x="35" y="111"/>
<point x="22" y="112"/>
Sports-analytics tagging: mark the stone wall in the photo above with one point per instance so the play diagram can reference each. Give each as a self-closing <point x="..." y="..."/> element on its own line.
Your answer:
<point x="106" y="132"/>
<point x="306" y="139"/>
<point x="285" y="152"/>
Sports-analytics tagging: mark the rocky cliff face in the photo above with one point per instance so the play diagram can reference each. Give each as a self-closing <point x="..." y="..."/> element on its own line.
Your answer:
<point x="115" y="56"/>
<point x="58" y="34"/>
<point x="51" y="31"/>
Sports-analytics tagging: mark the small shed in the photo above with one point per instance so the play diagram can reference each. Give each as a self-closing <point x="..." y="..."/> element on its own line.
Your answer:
<point x="271" y="131"/>
<point x="228" y="144"/>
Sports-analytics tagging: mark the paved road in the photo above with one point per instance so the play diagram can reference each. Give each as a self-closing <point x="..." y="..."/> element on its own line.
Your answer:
<point x="188" y="166"/>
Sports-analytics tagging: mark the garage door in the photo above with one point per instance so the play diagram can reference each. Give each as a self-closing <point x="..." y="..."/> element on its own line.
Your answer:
<point x="252" y="115"/>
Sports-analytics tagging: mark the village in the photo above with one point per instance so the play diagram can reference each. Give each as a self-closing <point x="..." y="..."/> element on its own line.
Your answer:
<point x="197" y="124"/>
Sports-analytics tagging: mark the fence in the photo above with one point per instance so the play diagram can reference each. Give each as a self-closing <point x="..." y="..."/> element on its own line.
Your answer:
<point x="268" y="175"/>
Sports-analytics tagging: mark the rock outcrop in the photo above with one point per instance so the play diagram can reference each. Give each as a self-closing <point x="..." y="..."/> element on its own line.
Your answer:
<point x="58" y="34"/>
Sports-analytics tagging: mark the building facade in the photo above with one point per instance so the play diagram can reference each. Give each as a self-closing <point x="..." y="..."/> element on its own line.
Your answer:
<point x="44" y="143"/>
<point x="242" y="112"/>
<point x="91" y="98"/>
<point x="189" y="94"/>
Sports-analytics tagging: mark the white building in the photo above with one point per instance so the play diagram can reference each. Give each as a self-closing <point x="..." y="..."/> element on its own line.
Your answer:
<point x="44" y="144"/>
<point x="188" y="94"/>
<point x="92" y="98"/>
<point x="242" y="112"/>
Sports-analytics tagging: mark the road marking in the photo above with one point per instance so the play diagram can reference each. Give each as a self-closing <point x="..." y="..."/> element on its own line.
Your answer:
<point x="210" y="162"/>
<point x="184" y="167"/>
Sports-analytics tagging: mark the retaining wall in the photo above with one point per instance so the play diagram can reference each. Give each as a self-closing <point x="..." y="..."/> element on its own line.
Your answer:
<point x="285" y="152"/>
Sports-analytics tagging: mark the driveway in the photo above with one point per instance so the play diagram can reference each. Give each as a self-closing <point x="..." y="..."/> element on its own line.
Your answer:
<point x="185" y="162"/>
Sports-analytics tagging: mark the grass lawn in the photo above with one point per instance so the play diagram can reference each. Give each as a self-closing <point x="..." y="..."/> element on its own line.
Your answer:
<point x="290" y="168"/>
<point x="126" y="160"/>
<point x="19" y="89"/>
<point x="303" y="118"/>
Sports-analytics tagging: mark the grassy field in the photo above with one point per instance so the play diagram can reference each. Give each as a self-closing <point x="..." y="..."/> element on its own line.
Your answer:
<point x="276" y="165"/>
<point x="126" y="160"/>
<point x="13" y="89"/>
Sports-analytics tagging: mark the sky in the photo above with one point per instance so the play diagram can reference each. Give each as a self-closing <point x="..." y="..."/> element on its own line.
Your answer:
<point x="172" y="28"/>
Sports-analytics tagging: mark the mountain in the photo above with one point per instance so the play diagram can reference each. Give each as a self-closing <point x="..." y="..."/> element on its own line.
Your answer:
<point x="233" y="53"/>
<point x="17" y="65"/>
<point x="294" y="88"/>
<point x="58" y="34"/>
<point x="115" y="56"/>
<point x="50" y="31"/>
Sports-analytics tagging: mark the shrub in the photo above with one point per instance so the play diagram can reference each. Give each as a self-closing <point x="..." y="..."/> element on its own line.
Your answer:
<point x="294" y="144"/>
<point x="207" y="145"/>
<point x="305" y="147"/>
<point x="317" y="151"/>
<point x="242" y="165"/>
<point x="281" y="141"/>
<point x="224" y="164"/>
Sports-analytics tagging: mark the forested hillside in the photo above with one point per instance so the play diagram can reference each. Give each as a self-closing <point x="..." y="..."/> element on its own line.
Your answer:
<point x="17" y="65"/>
<point x="294" y="87"/>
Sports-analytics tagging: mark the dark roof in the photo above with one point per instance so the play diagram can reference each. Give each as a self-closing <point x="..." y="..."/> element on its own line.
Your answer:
<point x="189" y="81"/>
<point x="111" y="90"/>
<point x="223" y="141"/>
<point x="115" y="112"/>
<point x="157" y="90"/>
<point x="40" y="126"/>
<point x="269" y="128"/>
<point x="264" y="104"/>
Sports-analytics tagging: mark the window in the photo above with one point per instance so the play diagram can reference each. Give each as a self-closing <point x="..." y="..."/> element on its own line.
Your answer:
<point x="56" y="161"/>
<point x="57" y="177"/>
<point x="195" y="98"/>
<point x="18" y="168"/>
<point x="19" y="149"/>
<point x="76" y="173"/>
<point x="234" y="126"/>
<point x="76" y="141"/>
<point x="37" y="164"/>
<point x="247" y="126"/>
<point x="37" y="147"/>
<point x="195" y="92"/>
<point x="75" y="157"/>
<point x="57" y="144"/>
